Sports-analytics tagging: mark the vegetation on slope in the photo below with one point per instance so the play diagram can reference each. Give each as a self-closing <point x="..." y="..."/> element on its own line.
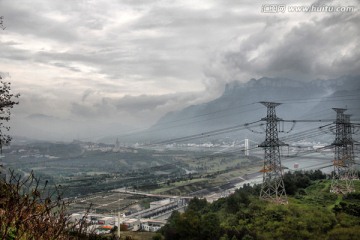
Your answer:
<point x="312" y="213"/>
<point x="30" y="210"/>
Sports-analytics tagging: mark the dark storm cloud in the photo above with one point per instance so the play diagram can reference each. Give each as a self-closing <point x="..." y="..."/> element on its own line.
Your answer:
<point x="319" y="48"/>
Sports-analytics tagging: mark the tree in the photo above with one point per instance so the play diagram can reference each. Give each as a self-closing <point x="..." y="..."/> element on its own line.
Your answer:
<point x="210" y="226"/>
<point x="1" y="23"/>
<point x="7" y="102"/>
<point x="31" y="211"/>
<point x="197" y="204"/>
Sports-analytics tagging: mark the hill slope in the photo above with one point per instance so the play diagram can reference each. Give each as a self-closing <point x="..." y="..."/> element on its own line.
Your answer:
<point x="312" y="213"/>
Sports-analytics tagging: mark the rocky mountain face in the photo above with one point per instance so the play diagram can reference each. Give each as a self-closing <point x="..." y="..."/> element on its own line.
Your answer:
<point x="239" y="104"/>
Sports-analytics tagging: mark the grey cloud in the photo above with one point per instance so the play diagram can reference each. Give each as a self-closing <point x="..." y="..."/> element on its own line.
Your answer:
<point x="166" y="47"/>
<point x="116" y="65"/>
<point x="8" y="52"/>
<point x="83" y="110"/>
<point x="101" y="109"/>
<point x="317" y="49"/>
<point x="322" y="48"/>
<point x="4" y="75"/>
<point x="179" y="17"/>
<point x="11" y="43"/>
<point x="28" y="21"/>
<point x="143" y="102"/>
<point x="40" y="116"/>
<point x="118" y="56"/>
<point x="62" y="65"/>
<point x="86" y="94"/>
<point x="145" y="106"/>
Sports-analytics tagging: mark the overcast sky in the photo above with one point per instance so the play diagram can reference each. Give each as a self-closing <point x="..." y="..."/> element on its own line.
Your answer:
<point x="88" y="68"/>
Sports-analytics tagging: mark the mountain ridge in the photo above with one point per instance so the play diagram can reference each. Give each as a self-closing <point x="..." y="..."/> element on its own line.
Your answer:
<point x="239" y="103"/>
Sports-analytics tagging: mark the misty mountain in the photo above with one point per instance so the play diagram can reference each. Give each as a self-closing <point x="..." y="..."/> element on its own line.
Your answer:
<point x="239" y="104"/>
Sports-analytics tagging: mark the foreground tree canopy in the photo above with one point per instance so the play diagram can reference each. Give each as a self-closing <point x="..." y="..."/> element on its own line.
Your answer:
<point x="7" y="102"/>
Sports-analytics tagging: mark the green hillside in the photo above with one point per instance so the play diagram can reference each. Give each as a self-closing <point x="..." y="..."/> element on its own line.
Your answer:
<point x="312" y="213"/>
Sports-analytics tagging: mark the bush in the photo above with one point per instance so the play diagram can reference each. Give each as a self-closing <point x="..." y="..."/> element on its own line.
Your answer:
<point x="29" y="211"/>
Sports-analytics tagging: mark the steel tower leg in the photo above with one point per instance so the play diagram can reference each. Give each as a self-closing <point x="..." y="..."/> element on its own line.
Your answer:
<point x="342" y="181"/>
<point x="273" y="188"/>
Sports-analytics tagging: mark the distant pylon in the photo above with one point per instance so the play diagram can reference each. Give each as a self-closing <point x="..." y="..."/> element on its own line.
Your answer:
<point x="349" y="150"/>
<point x="246" y="147"/>
<point x="272" y="188"/>
<point x="341" y="180"/>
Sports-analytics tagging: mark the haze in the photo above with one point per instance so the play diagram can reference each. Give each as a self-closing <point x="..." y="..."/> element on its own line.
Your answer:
<point x="87" y="69"/>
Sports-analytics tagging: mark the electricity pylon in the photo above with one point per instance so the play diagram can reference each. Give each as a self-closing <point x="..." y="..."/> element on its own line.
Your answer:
<point x="342" y="181"/>
<point x="349" y="150"/>
<point x="272" y="188"/>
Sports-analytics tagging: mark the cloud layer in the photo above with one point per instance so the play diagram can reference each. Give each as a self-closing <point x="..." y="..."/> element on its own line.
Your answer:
<point x="133" y="61"/>
<point x="321" y="48"/>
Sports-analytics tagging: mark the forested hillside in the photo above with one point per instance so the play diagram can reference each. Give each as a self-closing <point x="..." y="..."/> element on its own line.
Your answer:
<point x="312" y="213"/>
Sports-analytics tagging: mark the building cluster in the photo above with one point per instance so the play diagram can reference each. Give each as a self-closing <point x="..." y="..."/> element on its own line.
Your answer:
<point x="102" y="147"/>
<point x="102" y="224"/>
<point x="140" y="221"/>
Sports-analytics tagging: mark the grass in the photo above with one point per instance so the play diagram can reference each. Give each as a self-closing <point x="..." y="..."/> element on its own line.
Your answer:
<point x="172" y="186"/>
<point x="199" y="183"/>
<point x="138" y="235"/>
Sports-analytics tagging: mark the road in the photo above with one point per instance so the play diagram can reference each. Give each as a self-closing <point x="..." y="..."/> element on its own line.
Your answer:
<point x="121" y="190"/>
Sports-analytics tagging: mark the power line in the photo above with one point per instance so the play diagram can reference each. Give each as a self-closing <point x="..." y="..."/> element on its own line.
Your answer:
<point x="206" y="134"/>
<point x="161" y="128"/>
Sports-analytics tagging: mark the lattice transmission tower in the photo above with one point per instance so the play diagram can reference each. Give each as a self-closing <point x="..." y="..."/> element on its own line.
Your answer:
<point x="349" y="149"/>
<point x="272" y="188"/>
<point x="342" y="180"/>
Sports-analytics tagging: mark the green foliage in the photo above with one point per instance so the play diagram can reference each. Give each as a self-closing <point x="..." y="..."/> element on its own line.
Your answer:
<point x="299" y="180"/>
<point x="197" y="204"/>
<point x="224" y="237"/>
<point x="158" y="236"/>
<point x="192" y="225"/>
<point x="352" y="196"/>
<point x="313" y="214"/>
<point x="236" y="201"/>
<point x="349" y="208"/>
<point x="247" y="237"/>
<point x="350" y="233"/>
<point x="210" y="226"/>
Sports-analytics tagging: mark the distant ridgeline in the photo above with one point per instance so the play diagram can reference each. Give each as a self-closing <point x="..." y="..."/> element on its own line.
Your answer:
<point x="239" y="104"/>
